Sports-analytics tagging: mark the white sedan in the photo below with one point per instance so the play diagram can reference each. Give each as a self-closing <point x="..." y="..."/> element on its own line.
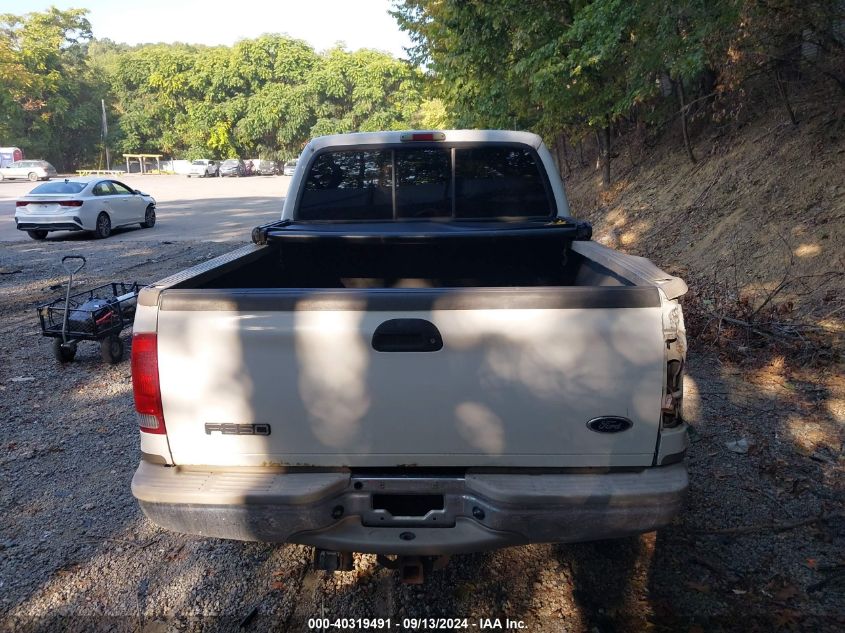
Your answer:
<point x="83" y="204"/>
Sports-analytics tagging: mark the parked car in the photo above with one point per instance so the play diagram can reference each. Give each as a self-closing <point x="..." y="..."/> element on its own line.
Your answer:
<point x="83" y="204"/>
<point x="28" y="169"/>
<point x="204" y="168"/>
<point x="421" y="365"/>
<point x="289" y="168"/>
<point x="233" y="167"/>
<point x="263" y="167"/>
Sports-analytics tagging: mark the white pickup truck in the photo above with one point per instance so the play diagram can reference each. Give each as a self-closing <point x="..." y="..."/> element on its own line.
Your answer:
<point x="426" y="355"/>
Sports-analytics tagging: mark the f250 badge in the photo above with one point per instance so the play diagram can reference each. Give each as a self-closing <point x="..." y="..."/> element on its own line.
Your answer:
<point x="609" y="424"/>
<point x="237" y="429"/>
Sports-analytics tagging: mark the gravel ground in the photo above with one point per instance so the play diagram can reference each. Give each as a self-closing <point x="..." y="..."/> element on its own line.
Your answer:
<point x="77" y="554"/>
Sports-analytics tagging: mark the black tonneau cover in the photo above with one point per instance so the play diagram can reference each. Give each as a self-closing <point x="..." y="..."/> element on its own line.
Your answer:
<point x="419" y="231"/>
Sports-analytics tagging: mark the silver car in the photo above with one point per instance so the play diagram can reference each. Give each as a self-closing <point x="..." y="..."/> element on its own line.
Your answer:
<point x="28" y="169"/>
<point x="263" y="167"/>
<point x="83" y="204"/>
<point x="289" y="168"/>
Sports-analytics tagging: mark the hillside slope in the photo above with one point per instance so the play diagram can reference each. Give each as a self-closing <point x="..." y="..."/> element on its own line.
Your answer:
<point x="763" y="207"/>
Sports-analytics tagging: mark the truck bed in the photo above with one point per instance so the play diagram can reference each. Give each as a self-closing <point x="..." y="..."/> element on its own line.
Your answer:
<point x="360" y="352"/>
<point x="426" y="255"/>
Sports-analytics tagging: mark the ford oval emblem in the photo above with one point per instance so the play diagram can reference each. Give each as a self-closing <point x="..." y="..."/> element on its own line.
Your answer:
<point x="609" y="424"/>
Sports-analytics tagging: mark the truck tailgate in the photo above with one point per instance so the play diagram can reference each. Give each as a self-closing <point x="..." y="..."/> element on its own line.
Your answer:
<point x="291" y="377"/>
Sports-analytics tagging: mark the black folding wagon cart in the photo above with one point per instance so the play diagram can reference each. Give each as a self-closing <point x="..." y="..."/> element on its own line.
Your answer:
<point x="99" y="314"/>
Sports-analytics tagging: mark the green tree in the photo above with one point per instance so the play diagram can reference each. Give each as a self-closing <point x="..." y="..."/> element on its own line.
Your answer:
<point x="363" y="91"/>
<point x="580" y="67"/>
<point x="263" y="96"/>
<point x="49" y="104"/>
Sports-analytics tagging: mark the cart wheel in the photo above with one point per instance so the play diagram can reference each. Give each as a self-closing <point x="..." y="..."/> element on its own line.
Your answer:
<point x="111" y="349"/>
<point x="63" y="353"/>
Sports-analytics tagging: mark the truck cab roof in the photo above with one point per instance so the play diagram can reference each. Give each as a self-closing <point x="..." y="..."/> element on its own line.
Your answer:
<point x="447" y="136"/>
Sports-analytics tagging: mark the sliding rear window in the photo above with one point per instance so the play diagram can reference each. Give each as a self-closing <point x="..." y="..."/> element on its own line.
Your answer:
<point x="481" y="182"/>
<point x="356" y="185"/>
<point x="499" y="182"/>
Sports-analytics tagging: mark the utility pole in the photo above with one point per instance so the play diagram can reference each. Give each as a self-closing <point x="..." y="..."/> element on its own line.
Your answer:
<point x="105" y="134"/>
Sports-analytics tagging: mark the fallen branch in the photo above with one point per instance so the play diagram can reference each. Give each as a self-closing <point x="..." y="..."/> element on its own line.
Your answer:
<point x="831" y="313"/>
<point x="770" y="527"/>
<point x="770" y="329"/>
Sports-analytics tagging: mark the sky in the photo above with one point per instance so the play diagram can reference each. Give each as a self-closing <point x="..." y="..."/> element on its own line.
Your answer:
<point x="321" y="23"/>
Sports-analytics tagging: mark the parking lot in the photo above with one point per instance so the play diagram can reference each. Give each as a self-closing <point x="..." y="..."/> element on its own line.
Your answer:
<point x="76" y="553"/>
<point x="202" y="209"/>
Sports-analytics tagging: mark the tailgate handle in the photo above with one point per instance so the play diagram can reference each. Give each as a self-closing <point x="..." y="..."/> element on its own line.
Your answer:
<point x="407" y="335"/>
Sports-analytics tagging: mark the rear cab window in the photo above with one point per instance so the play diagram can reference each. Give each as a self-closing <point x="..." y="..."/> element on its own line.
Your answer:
<point x="487" y="181"/>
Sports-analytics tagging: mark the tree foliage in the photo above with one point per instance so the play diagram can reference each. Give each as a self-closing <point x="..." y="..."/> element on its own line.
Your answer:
<point x="571" y="67"/>
<point x="261" y="97"/>
<point x="568" y="69"/>
<point x="49" y="102"/>
<point x="264" y="96"/>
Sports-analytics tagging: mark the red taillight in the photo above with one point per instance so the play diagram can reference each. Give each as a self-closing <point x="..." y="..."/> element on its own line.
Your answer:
<point x="62" y="203"/>
<point x="145" y="384"/>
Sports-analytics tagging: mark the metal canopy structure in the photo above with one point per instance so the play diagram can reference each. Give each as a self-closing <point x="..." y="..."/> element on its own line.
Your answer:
<point x="141" y="158"/>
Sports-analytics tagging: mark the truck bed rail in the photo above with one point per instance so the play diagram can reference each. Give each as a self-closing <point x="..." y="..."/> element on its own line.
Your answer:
<point x="415" y="232"/>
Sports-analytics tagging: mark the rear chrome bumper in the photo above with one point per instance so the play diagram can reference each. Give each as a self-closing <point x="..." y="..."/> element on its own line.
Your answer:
<point x="479" y="511"/>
